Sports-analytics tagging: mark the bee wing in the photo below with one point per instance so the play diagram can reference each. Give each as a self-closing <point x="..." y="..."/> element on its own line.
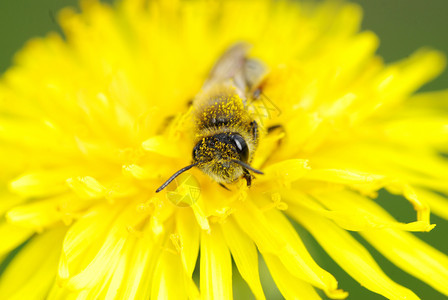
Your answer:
<point x="247" y="73"/>
<point x="255" y="72"/>
<point x="234" y="72"/>
<point x="230" y="63"/>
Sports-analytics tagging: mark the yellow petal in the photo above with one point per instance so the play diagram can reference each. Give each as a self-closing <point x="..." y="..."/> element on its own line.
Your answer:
<point x="44" y="137"/>
<point x="32" y="271"/>
<point x="189" y="240"/>
<point x="138" y="172"/>
<point x="437" y="203"/>
<point x="117" y="279"/>
<point x="245" y="255"/>
<point x="267" y="146"/>
<point x="359" y="52"/>
<point x="86" y="187"/>
<point x="12" y="236"/>
<point x="35" y="216"/>
<point x="216" y="266"/>
<point x="201" y="218"/>
<point x="400" y="79"/>
<point x="57" y="292"/>
<point x="308" y="124"/>
<point x="143" y="258"/>
<point x="162" y="146"/>
<point x="418" y="131"/>
<point x="296" y="258"/>
<point x="8" y="201"/>
<point x="97" y="271"/>
<point x="366" y="183"/>
<point x="274" y="234"/>
<point x="343" y="176"/>
<point x="41" y="183"/>
<point x="286" y="171"/>
<point x="419" y="205"/>
<point x="291" y="287"/>
<point x="347" y="18"/>
<point x="169" y="276"/>
<point x="350" y="211"/>
<point x="258" y="229"/>
<point x="432" y="101"/>
<point x="41" y="214"/>
<point x="110" y="283"/>
<point x="412" y="255"/>
<point x="90" y="245"/>
<point x="413" y="166"/>
<point x="350" y="255"/>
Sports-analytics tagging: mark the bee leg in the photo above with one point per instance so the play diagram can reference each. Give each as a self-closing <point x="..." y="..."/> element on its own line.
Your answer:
<point x="248" y="177"/>
<point x="256" y="94"/>
<point x="222" y="185"/>
<point x="165" y="124"/>
<point x="274" y="127"/>
<point x="254" y="128"/>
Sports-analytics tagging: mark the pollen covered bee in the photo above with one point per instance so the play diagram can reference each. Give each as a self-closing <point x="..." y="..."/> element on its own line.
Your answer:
<point x="226" y="135"/>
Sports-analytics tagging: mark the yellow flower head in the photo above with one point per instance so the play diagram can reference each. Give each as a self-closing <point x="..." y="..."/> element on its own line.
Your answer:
<point x="91" y="125"/>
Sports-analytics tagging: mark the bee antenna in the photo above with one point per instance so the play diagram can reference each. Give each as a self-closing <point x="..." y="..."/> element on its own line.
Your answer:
<point x="175" y="175"/>
<point x="246" y="166"/>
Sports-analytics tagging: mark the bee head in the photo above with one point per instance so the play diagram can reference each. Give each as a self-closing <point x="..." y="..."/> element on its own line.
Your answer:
<point x="221" y="147"/>
<point x="222" y="156"/>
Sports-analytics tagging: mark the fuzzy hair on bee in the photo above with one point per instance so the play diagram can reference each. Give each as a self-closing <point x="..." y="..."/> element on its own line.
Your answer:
<point x="226" y="135"/>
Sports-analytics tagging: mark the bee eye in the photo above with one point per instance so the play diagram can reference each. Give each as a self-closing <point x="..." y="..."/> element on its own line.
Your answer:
<point x="196" y="149"/>
<point x="241" y="147"/>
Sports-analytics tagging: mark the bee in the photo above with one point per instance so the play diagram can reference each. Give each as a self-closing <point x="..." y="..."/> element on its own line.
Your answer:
<point x="226" y="136"/>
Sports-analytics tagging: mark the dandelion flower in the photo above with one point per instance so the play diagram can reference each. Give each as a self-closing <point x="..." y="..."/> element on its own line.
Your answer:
<point x="92" y="123"/>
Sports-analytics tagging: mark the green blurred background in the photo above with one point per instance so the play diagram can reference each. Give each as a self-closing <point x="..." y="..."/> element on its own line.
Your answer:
<point x="402" y="25"/>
